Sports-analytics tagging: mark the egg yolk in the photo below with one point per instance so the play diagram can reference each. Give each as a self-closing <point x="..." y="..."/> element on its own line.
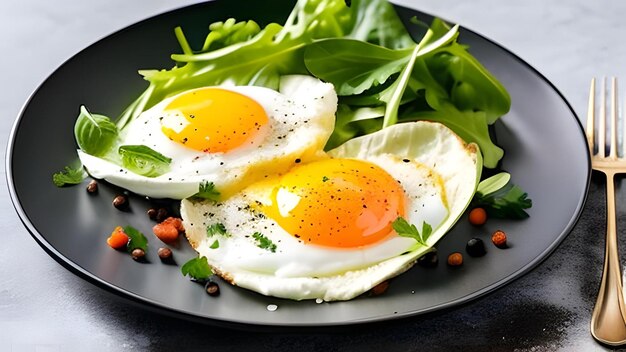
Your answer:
<point x="214" y="120"/>
<point x="344" y="203"/>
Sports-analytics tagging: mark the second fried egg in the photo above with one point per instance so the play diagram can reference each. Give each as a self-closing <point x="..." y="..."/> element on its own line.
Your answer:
<point x="324" y="229"/>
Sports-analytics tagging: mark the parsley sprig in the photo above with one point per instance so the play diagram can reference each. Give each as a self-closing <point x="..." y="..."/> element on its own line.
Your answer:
<point x="206" y="190"/>
<point x="263" y="242"/>
<point x="501" y="198"/>
<point x="197" y="268"/>
<point x="68" y="176"/>
<point x="405" y="229"/>
<point x="215" y="229"/>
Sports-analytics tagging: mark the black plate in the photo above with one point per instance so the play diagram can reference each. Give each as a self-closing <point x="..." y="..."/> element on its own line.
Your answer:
<point x="545" y="152"/>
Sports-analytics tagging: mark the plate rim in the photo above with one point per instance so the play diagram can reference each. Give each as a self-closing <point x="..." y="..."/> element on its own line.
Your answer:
<point x="161" y="308"/>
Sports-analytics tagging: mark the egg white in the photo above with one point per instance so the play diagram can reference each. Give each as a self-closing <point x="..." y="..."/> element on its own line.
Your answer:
<point x="301" y="119"/>
<point x="293" y="258"/>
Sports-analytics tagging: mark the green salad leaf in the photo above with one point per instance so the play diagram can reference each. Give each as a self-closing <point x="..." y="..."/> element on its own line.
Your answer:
<point x="353" y="66"/>
<point x="438" y="81"/>
<point x="95" y="134"/>
<point x="385" y="72"/>
<point x="143" y="160"/>
<point x="239" y="53"/>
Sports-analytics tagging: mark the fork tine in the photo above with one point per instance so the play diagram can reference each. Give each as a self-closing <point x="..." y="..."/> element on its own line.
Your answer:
<point x="602" y="122"/>
<point x="590" y="129"/>
<point x="613" y="150"/>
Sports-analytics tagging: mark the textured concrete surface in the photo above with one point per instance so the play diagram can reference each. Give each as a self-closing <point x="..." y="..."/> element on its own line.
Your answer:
<point x="43" y="307"/>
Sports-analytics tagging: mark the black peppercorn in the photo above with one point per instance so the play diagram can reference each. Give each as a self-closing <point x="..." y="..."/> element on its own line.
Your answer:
<point x="212" y="288"/>
<point x="121" y="202"/>
<point x="475" y="247"/>
<point x="152" y="213"/>
<point x="428" y="260"/>
<point x="161" y="214"/>
<point x="138" y="254"/>
<point x="165" y="254"/>
<point x="92" y="187"/>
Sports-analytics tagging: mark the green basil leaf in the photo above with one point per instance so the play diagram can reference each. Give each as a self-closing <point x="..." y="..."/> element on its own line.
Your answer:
<point x="143" y="160"/>
<point x="95" y="134"/>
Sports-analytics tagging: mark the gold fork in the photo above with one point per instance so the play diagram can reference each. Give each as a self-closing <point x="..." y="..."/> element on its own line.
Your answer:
<point x="608" y="323"/>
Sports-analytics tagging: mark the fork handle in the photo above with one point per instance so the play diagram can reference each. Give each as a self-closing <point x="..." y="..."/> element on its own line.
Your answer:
<point x="608" y="318"/>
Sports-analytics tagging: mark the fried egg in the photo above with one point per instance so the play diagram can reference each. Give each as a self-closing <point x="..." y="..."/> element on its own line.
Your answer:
<point x="324" y="230"/>
<point x="228" y="135"/>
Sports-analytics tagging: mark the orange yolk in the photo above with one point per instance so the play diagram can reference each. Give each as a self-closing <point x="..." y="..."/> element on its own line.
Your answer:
<point x="215" y="120"/>
<point x="342" y="203"/>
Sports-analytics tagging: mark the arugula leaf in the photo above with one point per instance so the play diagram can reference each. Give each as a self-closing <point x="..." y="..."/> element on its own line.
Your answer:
<point x="437" y="80"/>
<point x="223" y="34"/>
<point x="197" y="268"/>
<point x="502" y="199"/>
<point x="69" y="176"/>
<point x="143" y="160"/>
<point x="404" y="229"/>
<point x="136" y="239"/>
<point x="263" y="242"/>
<point x="353" y="66"/>
<point x="365" y="50"/>
<point x="238" y="53"/>
<point x="351" y="122"/>
<point x="95" y="134"/>
<point x="206" y="190"/>
<point x="216" y="229"/>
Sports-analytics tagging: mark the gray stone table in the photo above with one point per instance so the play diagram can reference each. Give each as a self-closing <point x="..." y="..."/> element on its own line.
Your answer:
<point x="44" y="307"/>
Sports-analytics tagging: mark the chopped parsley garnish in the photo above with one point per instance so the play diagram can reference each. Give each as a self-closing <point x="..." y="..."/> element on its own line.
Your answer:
<point x="216" y="229"/>
<point x="215" y="245"/>
<point x="325" y="178"/>
<point x="264" y="242"/>
<point x="404" y="229"/>
<point x="68" y="176"/>
<point x="136" y="239"/>
<point x="197" y="268"/>
<point x="206" y="190"/>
